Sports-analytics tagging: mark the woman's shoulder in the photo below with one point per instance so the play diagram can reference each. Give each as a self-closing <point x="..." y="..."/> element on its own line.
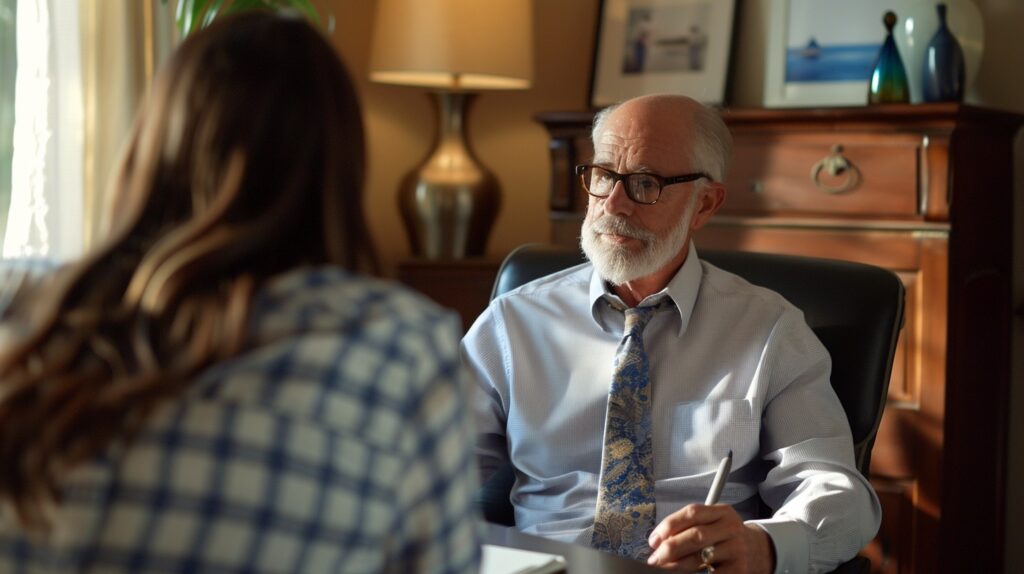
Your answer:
<point x="327" y="332"/>
<point x="334" y="299"/>
<point x="342" y="352"/>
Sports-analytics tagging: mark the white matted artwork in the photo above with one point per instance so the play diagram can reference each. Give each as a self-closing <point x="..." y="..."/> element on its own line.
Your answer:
<point x="822" y="52"/>
<point x="662" y="46"/>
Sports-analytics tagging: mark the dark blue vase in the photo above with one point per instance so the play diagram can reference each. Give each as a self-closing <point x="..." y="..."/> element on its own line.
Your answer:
<point x="889" y="78"/>
<point x="943" y="73"/>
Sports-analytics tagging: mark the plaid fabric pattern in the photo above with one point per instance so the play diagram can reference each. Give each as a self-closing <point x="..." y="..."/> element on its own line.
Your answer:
<point x="337" y="442"/>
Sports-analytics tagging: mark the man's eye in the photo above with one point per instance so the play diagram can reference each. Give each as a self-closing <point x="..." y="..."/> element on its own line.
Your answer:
<point x="646" y="184"/>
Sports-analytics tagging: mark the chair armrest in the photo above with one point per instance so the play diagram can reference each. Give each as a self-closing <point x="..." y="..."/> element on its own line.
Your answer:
<point x="493" y="497"/>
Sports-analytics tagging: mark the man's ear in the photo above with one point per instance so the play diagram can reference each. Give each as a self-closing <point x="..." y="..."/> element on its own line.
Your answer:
<point x="711" y="198"/>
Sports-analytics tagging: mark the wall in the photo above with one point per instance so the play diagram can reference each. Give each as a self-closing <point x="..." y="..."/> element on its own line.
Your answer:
<point x="400" y="122"/>
<point x="1000" y="83"/>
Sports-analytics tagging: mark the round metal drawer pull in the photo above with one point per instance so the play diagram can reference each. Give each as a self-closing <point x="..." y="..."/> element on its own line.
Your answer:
<point x="835" y="165"/>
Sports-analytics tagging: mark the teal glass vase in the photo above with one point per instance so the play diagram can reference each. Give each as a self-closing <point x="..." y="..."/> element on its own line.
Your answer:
<point x="943" y="71"/>
<point x="889" y="77"/>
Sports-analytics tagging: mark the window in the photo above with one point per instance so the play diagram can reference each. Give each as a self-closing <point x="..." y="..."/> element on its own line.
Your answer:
<point x="45" y="215"/>
<point x="70" y="81"/>
<point x="7" y="71"/>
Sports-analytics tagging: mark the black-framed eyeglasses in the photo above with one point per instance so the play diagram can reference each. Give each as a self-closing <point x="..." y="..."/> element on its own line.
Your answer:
<point x="642" y="188"/>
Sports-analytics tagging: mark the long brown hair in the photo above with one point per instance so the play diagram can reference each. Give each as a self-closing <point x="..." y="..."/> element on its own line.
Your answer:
<point x="246" y="160"/>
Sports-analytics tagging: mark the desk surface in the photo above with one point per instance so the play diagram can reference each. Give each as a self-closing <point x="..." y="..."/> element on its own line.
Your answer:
<point x="580" y="559"/>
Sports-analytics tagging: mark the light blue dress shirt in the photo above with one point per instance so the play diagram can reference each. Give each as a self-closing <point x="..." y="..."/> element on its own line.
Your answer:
<point x="733" y="366"/>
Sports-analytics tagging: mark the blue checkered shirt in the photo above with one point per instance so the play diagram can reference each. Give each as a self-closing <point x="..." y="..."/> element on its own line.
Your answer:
<point x="337" y="442"/>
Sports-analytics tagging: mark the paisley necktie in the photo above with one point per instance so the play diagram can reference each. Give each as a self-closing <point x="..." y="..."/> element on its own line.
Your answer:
<point x="624" y="517"/>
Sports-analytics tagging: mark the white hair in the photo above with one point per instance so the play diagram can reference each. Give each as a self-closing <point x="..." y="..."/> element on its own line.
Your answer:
<point x="712" y="145"/>
<point x="599" y="119"/>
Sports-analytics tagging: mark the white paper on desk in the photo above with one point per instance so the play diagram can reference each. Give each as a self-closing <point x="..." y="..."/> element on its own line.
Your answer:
<point x="504" y="560"/>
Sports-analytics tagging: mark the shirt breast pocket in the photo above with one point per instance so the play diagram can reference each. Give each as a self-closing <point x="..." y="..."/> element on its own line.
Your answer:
<point x="702" y="432"/>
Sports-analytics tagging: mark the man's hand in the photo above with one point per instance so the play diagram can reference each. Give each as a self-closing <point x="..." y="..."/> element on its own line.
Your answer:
<point x="738" y="548"/>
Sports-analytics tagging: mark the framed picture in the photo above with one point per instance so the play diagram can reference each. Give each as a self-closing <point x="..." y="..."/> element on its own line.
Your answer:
<point x="661" y="46"/>
<point x="822" y="52"/>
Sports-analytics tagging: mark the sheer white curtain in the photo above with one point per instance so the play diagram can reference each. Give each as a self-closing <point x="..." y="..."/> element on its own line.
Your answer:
<point x="45" y="217"/>
<point x="82" y="67"/>
<point x="123" y="42"/>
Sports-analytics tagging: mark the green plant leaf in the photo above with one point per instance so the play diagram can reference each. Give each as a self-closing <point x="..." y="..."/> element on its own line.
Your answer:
<point x="243" y="5"/>
<point x="194" y="14"/>
<point x="211" y="12"/>
<point x="306" y="8"/>
<point x="180" y="12"/>
<point x="190" y="13"/>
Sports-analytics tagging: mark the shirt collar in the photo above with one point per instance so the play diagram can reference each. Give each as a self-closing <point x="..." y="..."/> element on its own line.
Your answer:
<point x="681" y="289"/>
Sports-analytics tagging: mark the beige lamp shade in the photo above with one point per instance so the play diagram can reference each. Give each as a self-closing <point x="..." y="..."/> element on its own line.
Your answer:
<point x="454" y="44"/>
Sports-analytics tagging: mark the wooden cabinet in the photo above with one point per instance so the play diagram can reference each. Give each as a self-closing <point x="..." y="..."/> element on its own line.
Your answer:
<point x="926" y="191"/>
<point x="463" y="285"/>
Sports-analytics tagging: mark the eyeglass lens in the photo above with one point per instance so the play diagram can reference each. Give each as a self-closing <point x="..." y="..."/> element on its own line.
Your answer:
<point x="640" y="187"/>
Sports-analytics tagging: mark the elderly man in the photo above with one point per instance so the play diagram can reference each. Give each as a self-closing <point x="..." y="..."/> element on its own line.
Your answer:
<point x="615" y="388"/>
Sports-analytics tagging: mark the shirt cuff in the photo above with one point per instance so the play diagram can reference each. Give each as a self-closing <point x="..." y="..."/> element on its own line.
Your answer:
<point x="790" y="541"/>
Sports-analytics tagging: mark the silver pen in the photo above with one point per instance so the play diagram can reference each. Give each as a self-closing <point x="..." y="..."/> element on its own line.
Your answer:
<point x="720" y="477"/>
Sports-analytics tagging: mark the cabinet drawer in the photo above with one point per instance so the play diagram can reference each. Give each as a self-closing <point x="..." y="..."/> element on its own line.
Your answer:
<point x="832" y="174"/>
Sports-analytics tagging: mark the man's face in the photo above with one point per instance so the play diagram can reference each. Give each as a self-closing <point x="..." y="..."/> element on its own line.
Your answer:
<point x="626" y="240"/>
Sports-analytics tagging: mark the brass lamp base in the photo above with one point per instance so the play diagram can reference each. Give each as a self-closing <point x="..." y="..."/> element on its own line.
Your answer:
<point x="450" y="201"/>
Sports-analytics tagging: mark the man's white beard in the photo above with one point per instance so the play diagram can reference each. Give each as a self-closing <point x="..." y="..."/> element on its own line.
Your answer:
<point x="618" y="264"/>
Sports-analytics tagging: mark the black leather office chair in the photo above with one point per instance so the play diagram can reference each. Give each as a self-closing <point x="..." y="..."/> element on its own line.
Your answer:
<point x="856" y="310"/>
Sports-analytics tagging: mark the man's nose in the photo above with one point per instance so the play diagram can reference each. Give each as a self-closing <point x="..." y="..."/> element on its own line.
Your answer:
<point x="618" y="202"/>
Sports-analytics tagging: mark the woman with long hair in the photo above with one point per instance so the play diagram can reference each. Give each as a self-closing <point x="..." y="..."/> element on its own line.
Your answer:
<point x="215" y="388"/>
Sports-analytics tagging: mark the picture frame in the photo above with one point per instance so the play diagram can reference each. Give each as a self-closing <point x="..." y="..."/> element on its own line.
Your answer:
<point x="822" y="52"/>
<point x="661" y="46"/>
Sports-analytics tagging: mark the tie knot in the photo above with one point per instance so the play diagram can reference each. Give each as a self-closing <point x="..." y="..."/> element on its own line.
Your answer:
<point x="637" y="317"/>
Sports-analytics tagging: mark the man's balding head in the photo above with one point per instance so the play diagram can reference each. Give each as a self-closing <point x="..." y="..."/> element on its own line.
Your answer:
<point x="708" y="138"/>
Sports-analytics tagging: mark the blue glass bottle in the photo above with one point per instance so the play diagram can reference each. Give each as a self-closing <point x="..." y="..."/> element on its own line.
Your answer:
<point x="943" y="73"/>
<point x="889" y="78"/>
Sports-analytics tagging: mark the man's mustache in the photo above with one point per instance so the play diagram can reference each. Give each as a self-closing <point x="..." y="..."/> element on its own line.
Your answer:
<point x="619" y="226"/>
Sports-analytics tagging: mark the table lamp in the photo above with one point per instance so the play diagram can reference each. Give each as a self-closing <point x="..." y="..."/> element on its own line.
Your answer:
<point x="455" y="48"/>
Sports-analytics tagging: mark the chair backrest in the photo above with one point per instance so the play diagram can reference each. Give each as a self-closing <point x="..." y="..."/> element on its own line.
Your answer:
<point x="855" y="309"/>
